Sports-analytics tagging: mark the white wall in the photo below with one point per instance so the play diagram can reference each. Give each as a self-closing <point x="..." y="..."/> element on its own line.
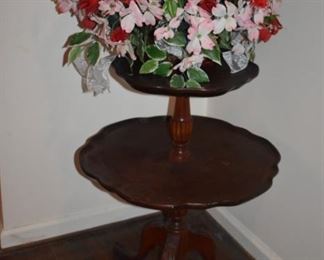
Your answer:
<point x="285" y="105"/>
<point x="44" y="119"/>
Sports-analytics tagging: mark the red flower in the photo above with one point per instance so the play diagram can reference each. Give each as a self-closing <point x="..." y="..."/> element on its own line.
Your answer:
<point x="265" y="34"/>
<point x="118" y="35"/>
<point x="208" y="5"/>
<point x="90" y="6"/>
<point x="86" y="23"/>
<point x="276" y="26"/>
<point x="260" y="3"/>
<point x="126" y="2"/>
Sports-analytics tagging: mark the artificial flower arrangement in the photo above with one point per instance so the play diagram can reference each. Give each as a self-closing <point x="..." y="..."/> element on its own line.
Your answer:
<point x="170" y="38"/>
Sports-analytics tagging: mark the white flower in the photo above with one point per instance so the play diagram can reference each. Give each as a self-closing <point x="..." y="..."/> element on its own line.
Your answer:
<point x="224" y="17"/>
<point x="259" y="16"/>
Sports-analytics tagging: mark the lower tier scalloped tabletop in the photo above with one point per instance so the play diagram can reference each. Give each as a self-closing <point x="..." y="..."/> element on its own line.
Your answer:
<point x="227" y="166"/>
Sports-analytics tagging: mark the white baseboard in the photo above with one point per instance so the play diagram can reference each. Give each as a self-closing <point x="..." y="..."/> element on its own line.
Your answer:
<point x="77" y="222"/>
<point x="248" y="240"/>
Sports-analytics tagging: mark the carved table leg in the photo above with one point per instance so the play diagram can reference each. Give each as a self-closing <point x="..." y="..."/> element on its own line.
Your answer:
<point x="174" y="247"/>
<point x="180" y="241"/>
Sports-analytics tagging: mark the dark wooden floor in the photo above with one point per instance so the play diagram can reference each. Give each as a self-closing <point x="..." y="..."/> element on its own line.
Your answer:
<point x="98" y="243"/>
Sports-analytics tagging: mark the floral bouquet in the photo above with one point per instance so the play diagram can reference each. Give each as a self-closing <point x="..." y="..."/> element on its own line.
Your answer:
<point x="169" y="38"/>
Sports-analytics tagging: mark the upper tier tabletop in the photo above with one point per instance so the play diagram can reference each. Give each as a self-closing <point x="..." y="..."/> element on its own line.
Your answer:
<point x="228" y="165"/>
<point x="221" y="80"/>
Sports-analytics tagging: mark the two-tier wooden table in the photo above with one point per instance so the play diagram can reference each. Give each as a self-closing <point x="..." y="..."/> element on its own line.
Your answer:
<point x="182" y="162"/>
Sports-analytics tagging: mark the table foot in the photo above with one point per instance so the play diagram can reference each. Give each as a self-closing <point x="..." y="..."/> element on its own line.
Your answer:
<point x="202" y="244"/>
<point x="175" y="240"/>
<point x="152" y="236"/>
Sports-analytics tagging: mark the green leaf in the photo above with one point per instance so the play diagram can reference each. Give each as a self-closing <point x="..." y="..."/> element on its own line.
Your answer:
<point x="164" y="69"/>
<point x="225" y="40"/>
<point x="78" y="38"/>
<point x="179" y="39"/>
<point x="149" y="67"/>
<point x="177" y="81"/>
<point x="134" y="38"/>
<point x="214" y="54"/>
<point x="225" y="35"/>
<point x="192" y="84"/>
<point x="140" y="49"/>
<point x="197" y="74"/>
<point x="93" y="53"/>
<point x="251" y="55"/>
<point x="137" y="40"/>
<point x="74" y="53"/>
<point x="171" y="7"/>
<point x="155" y="53"/>
<point x="181" y="3"/>
<point x="269" y="19"/>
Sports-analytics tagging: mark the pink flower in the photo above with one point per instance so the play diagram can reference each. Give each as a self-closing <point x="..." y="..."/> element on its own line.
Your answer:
<point x="110" y="7"/>
<point x="175" y="21"/>
<point x="198" y="34"/>
<point x="244" y="19"/>
<point x="102" y="29"/>
<point x="163" y="33"/>
<point x="188" y="62"/>
<point x="131" y="16"/>
<point x="166" y="32"/>
<point x="125" y="48"/>
<point x="192" y="7"/>
<point x="152" y="10"/>
<point x="63" y="6"/>
<point x="253" y="33"/>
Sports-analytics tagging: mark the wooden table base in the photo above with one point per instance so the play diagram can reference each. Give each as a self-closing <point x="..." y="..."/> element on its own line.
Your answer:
<point x="173" y="237"/>
<point x="163" y="163"/>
